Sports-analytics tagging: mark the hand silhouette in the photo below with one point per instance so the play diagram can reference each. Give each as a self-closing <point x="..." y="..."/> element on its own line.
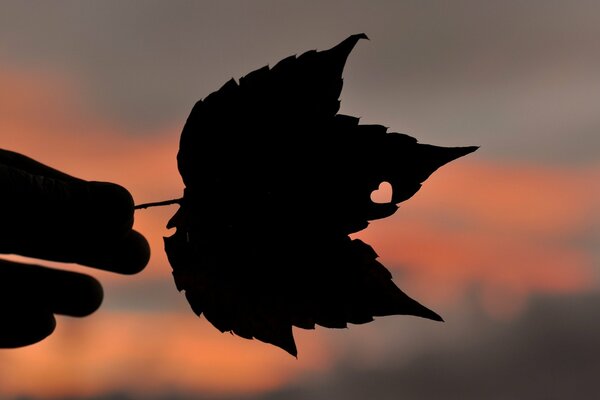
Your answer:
<point x="47" y="214"/>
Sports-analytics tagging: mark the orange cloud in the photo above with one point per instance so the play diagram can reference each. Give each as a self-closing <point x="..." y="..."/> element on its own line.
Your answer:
<point x="508" y="229"/>
<point x="505" y="226"/>
<point x="43" y="117"/>
<point x="150" y="354"/>
<point x="511" y="230"/>
<point x="520" y="197"/>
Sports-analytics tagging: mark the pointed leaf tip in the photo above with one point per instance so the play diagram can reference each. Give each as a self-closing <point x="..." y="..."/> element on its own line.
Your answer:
<point x="356" y="37"/>
<point x="434" y="316"/>
<point x="457" y="152"/>
<point x="341" y="51"/>
<point x="348" y="44"/>
<point x="419" y="310"/>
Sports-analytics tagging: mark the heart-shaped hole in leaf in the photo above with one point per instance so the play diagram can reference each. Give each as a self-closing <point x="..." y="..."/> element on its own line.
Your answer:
<point x="383" y="194"/>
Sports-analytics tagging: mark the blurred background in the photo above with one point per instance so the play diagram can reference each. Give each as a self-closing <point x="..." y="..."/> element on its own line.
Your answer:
<point x="504" y="243"/>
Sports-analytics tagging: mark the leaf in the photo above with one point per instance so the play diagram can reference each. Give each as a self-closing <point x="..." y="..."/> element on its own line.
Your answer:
<point x="276" y="180"/>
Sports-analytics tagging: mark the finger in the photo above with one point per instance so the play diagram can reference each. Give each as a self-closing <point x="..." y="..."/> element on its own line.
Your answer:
<point x="26" y="289"/>
<point x="75" y="221"/>
<point x="126" y="255"/>
<point x="24" y="163"/>
<point x="71" y="205"/>
<point x="25" y="327"/>
<point x="112" y="204"/>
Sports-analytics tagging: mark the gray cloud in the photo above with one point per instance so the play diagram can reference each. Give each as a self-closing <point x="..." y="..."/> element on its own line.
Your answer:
<point x="149" y="295"/>
<point x="519" y="78"/>
<point x="550" y="352"/>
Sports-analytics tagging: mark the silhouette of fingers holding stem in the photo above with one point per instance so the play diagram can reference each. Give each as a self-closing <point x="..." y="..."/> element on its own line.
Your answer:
<point x="50" y="215"/>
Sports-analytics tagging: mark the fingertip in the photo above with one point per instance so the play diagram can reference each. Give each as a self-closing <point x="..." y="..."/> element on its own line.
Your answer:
<point x="25" y="327"/>
<point x="27" y="289"/>
<point x="135" y="254"/>
<point x="129" y="255"/>
<point x="79" y="296"/>
<point x="113" y="204"/>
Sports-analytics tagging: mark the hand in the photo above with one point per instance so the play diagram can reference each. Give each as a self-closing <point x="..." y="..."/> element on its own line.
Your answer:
<point x="47" y="214"/>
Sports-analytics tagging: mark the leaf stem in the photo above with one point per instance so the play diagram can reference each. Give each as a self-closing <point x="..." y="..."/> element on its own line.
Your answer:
<point x="158" y="203"/>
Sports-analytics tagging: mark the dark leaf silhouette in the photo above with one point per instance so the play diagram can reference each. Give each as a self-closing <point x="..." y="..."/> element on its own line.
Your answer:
<point x="275" y="181"/>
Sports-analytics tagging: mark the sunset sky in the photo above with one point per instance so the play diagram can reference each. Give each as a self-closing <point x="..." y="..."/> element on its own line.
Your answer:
<point x="504" y="243"/>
